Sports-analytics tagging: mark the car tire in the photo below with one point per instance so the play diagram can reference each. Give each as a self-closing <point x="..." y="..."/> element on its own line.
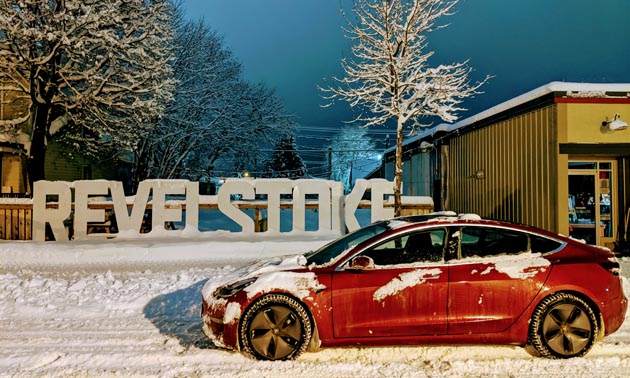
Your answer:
<point x="275" y="327"/>
<point x="562" y="326"/>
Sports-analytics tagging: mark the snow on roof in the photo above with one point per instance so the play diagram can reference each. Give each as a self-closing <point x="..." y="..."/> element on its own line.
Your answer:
<point x="573" y="90"/>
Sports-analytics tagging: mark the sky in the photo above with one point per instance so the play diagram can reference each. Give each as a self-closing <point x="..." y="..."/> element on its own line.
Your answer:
<point x="295" y="45"/>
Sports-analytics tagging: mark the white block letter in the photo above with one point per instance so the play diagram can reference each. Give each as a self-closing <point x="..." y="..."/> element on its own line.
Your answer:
<point x="304" y="187"/>
<point x="82" y="214"/>
<point x="246" y="189"/>
<point x="273" y="188"/>
<point x="55" y="217"/>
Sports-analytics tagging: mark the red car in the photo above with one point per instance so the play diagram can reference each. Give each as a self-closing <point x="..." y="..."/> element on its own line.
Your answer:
<point x="423" y="280"/>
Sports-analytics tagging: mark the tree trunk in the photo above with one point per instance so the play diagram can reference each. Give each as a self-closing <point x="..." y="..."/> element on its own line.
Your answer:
<point x="398" y="170"/>
<point x="37" y="158"/>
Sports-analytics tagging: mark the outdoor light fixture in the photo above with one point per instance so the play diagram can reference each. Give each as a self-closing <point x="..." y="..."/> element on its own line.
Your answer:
<point x="616" y="123"/>
<point x="425" y="146"/>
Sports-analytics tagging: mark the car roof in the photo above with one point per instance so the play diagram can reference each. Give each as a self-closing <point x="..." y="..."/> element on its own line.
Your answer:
<point x="452" y="218"/>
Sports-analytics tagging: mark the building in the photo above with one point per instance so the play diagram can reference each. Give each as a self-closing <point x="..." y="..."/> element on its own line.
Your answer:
<point x="14" y="113"/>
<point x="557" y="157"/>
<point x="61" y="163"/>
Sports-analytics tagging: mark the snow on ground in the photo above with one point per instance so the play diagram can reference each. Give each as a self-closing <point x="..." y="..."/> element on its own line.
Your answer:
<point x="131" y="309"/>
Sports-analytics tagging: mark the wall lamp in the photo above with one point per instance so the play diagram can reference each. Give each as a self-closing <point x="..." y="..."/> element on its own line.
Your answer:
<point x="616" y="123"/>
<point x="425" y="146"/>
<point x="479" y="175"/>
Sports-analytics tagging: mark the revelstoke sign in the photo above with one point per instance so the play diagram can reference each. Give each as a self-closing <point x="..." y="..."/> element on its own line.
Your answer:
<point x="53" y="204"/>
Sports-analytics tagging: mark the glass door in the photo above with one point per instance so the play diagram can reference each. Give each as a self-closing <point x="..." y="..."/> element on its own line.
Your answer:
<point x="590" y="201"/>
<point x="582" y="207"/>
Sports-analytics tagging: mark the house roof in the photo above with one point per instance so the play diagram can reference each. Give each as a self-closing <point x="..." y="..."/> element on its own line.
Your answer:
<point x="569" y="90"/>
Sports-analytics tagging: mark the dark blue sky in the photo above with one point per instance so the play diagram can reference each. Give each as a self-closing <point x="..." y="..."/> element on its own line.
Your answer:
<point x="293" y="45"/>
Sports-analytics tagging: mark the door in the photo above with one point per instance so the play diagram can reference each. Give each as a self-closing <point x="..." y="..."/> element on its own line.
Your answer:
<point x="582" y="212"/>
<point x="494" y="278"/>
<point x="591" y="201"/>
<point x="402" y="292"/>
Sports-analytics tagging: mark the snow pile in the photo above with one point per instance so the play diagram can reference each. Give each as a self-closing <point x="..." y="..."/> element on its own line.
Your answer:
<point x="80" y="316"/>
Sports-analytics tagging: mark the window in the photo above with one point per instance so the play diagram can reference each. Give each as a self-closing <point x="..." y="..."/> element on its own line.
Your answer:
<point x="485" y="241"/>
<point x="543" y="245"/>
<point x="424" y="246"/>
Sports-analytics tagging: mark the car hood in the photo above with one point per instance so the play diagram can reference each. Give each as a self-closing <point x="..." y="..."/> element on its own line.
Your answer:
<point x="274" y="264"/>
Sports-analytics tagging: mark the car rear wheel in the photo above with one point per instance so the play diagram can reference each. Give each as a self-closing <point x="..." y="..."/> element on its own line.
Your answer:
<point x="275" y="327"/>
<point x="562" y="326"/>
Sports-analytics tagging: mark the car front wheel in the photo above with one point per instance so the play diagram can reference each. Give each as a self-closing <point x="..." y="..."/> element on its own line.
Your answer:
<point x="275" y="327"/>
<point x="562" y="326"/>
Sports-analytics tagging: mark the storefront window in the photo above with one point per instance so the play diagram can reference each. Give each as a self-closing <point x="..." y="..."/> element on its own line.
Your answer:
<point x="591" y="201"/>
<point x="582" y="165"/>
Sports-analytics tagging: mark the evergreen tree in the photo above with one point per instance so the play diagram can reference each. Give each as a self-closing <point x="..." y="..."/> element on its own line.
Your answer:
<point x="285" y="161"/>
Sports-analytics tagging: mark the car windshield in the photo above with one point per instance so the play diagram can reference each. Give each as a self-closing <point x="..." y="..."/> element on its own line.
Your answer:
<point x="333" y="250"/>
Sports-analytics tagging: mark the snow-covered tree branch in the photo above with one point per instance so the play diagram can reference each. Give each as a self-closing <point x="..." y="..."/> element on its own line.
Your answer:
<point x="349" y="147"/>
<point x="389" y="76"/>
<point x="215" y="115"/>
<point x="97" y="73"/>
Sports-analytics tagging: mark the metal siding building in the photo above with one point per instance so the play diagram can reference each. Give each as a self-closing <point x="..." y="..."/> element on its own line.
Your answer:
<point x="503" y="171"/>
<point x="548" y="158"/>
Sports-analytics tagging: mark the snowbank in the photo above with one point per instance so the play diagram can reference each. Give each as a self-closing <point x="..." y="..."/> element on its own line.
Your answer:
<point x="131" y="309"/>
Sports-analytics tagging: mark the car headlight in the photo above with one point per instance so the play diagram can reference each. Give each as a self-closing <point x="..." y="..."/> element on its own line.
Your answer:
<point x="233" y="288"/>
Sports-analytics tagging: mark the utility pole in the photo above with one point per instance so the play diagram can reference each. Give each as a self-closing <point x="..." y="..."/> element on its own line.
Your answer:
<point x="329" y="163"/>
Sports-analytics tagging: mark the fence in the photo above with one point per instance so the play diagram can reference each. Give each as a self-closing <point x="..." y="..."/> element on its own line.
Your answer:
<point x="16" y="218"/>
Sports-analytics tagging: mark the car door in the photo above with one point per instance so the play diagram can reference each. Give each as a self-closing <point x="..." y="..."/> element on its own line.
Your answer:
<point x="402" y="293"/>
<point x="492" y="280"/>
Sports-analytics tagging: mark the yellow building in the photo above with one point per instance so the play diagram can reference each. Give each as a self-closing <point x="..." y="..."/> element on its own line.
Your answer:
<point x="557" y="157"/>
<point x="14" y="106"/>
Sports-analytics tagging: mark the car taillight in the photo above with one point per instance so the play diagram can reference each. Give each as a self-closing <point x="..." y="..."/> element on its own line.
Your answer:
<point x="611" y="266"/>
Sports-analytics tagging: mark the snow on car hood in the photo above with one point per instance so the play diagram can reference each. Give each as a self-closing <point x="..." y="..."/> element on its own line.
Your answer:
<point x="405" y="280"/>
<point x="275" y="264"/>
<point x="300" y="284"/>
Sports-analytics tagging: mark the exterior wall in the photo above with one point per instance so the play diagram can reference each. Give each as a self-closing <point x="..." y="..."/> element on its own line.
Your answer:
<point x="390" y="169"/>
<point x="421" y="176"/>
<point x="417" y="173"/>
<point x="13" y="103"/>
<point x="580" y="122"/>
<point x="584" y="122"/>
<point x="12" y="174"/>
<point x="508" y="170"/>
<point x="62" y="168"/>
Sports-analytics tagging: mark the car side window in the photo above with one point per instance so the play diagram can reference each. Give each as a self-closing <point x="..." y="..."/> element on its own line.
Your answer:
<point x="489" y="241"/>
<point x="540" y="244"/>
<point x="423" y="246"/>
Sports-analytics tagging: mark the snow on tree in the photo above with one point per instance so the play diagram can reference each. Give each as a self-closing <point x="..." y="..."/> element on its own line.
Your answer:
<point x="96" y="72"/>
<point x="285" y="160"/>
<point x="389" y="76"/>
<point x="215" y="113"/>
<point x="348" y="147"/>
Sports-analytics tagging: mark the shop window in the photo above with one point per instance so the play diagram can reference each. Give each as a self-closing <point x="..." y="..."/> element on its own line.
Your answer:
<point x="582" y="165"/>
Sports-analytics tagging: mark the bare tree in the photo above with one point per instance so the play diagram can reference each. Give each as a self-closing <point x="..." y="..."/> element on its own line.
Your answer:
<point x="96" y="72"/>
<point x="215" y="114"/>
<point x="389" y="75"/>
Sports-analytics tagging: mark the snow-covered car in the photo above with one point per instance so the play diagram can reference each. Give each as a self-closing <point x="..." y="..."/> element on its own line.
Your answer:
<point x="423" y="280"/>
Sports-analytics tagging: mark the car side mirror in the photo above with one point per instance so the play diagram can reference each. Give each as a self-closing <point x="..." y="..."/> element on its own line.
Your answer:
<point x="362" y="263"/>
